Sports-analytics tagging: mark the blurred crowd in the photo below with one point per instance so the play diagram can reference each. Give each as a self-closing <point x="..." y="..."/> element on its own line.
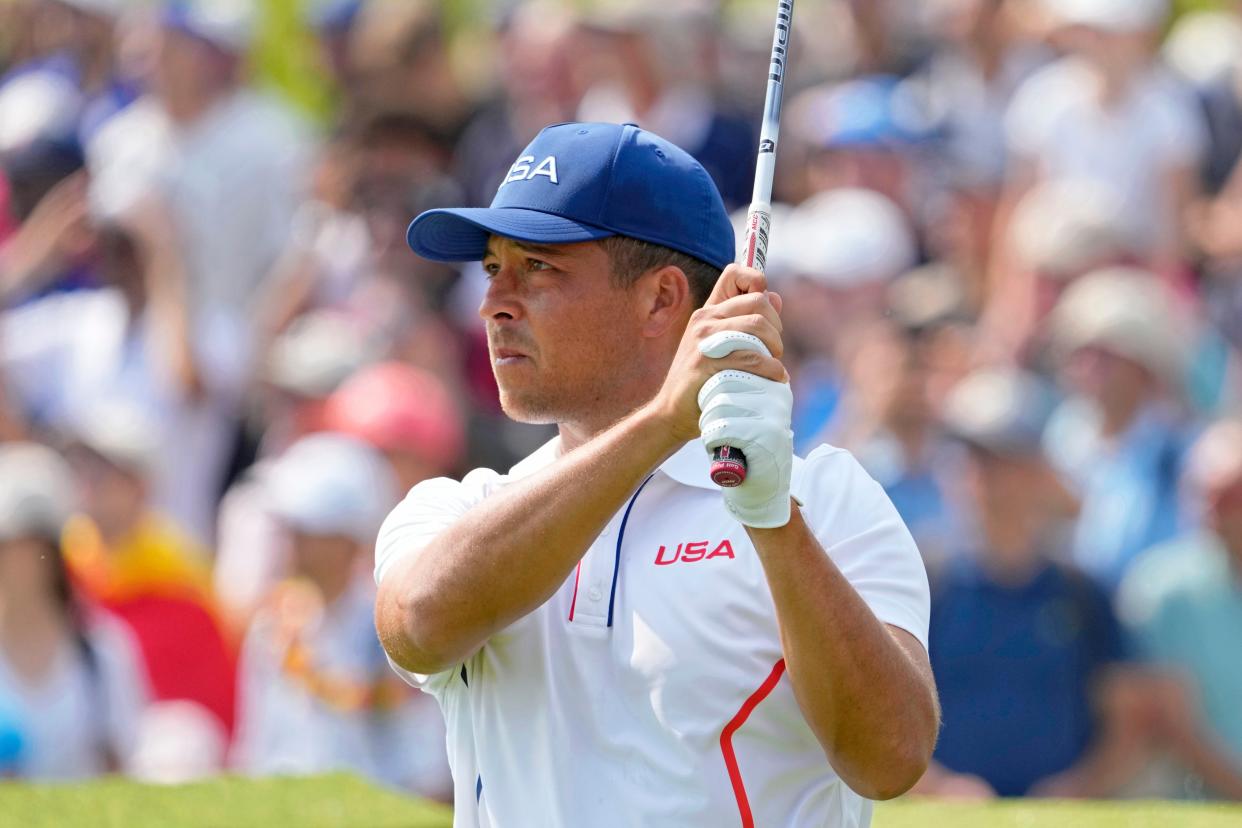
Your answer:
<point x="1009" y="242"/>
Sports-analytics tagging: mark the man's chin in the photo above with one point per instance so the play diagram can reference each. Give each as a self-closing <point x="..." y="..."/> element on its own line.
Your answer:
<point x="531" y="412"/>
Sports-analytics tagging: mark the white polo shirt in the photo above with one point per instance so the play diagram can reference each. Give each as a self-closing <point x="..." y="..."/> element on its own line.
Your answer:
<point x="651" y="689"/>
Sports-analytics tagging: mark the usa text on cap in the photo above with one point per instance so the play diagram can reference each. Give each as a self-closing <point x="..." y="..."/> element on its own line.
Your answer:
<point x="580" y="182"/>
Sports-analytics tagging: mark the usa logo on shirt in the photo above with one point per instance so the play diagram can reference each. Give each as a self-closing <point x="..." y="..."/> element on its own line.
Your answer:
<point x="693" y="552"/>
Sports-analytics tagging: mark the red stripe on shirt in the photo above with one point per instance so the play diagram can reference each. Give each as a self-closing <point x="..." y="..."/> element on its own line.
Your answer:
<point x="726" y="741"/>
<point x="574" y="602"/>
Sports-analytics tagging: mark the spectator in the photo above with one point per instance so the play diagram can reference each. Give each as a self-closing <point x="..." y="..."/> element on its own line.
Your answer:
<point x="118" y="547"/>
<point x="979" y="61"/>
<point x="79" y="46"/>
<point x="222" y="162"/>
<point x="333" y="22"/>
<point x="44" y="202"/>
<point x="70" y="678"/>
<point x="348" y="251"/>
<point x="1119" y="438"/>
<point x="861" y="133"/>
<point x="846" y="246"/>
<point x="657" y="73"/>
<point x="1108" y="113"/>
<point x="399" y="53"/>
<point x="536" y="73"/>
<point x="136" y="337"/>
<point x="144" y="569"/>
<point x="305" y="365"/>
<point x="890" y="425"/>
<point x="1059" y="230"/>
<point x="406" y="414"/>
<point x="1182" y="603"/>
<point x="317" y="694"/>
<point x="1022" y="646"/>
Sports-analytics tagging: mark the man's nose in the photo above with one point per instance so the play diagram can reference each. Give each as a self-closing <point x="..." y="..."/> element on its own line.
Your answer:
<point x="502" y="300"/>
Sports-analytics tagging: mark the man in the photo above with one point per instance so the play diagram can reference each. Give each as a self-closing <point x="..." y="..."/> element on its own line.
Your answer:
<point x="70" y="679"/>
<point x="1120" y="346"/>
<point x="612" y="641"/>
<point x="651" y="68"/>
<point x="1026" y="648"/>
<point x="1109" y="113"/>
<point x="139" y="564"/>
<point x="888" y="421"/>
<point x="316" y="693"/>
<point x="1182" y="604"/>
<point x="221" y="160"/>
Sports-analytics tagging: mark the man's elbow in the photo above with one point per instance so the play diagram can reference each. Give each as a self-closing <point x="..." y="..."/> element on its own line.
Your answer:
<point x="901" y="773"/>
<point x="897" y="766"/>
<point x="406" y="626"/>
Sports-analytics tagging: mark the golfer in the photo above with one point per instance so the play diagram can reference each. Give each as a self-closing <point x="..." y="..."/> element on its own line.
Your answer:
<point x="613" y="639"/>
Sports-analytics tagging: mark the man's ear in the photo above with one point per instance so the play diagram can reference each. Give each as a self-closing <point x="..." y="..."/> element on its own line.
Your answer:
<point x="664" y="300"/>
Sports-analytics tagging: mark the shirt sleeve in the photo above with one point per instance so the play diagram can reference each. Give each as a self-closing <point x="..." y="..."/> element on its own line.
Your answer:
<point x="860" y="529"/>
<point x="431" y="507"/>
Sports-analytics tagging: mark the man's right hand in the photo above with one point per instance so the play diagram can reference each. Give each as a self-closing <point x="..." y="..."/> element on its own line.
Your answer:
<point x="740" y="302"/>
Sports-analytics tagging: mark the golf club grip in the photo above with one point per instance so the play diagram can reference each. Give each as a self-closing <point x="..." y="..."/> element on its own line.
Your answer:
<point x="729" y="463"/>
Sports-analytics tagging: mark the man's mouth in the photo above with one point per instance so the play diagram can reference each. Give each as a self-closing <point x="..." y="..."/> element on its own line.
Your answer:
<point x="508" y="356"/>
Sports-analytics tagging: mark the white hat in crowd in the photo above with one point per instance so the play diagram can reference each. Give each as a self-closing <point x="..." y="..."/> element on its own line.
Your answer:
<point x="1118" y="16"/>
<point x="226" y="24"/>
<point x="37" y="105"/>
<point x="1128" y="312"/>
<point x="318" y="351"/>
<point x="850" y="237"/>
<point x="332" y="484"/>
<point x="1067" y="226"/>
<point x="37" y="493"/>
<point x="1204" y="46"/>
<point x="1003" y="410"/>
<point x="121" y="432"/>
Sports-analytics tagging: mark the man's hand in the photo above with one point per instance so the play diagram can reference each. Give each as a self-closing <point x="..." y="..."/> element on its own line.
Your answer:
<point x="753" y="415"/>
<point x="740" y="302"/>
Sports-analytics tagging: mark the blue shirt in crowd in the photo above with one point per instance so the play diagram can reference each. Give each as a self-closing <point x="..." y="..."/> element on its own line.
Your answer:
<point x="1182" y="603"/>
<point x="917" y="488"/>
<point x="1015" y="666"/>
<point x="1127" y="485"/>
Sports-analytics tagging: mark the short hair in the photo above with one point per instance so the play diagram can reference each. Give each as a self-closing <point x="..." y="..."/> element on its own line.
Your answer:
<point x="631" y="258"/>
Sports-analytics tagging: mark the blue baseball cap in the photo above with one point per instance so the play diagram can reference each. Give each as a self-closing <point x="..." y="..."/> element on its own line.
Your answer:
<point x="581" y="182"/>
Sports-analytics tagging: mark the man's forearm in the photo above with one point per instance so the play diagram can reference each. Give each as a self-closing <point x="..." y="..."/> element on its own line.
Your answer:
<point x="869" y="699"/>
<point x="511" y="553"/>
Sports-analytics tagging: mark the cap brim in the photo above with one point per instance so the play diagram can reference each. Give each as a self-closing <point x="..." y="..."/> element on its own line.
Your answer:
<point x="460" y="234"/>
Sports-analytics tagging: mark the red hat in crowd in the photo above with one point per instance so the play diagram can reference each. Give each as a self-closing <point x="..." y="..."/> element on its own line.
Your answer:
<point x="397" y="407"/>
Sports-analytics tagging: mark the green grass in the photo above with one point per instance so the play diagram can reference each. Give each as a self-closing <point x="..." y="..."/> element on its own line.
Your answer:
<point x="913" y="813"/>
<point x="320" y="802"/>
<point x="346" y="802"/>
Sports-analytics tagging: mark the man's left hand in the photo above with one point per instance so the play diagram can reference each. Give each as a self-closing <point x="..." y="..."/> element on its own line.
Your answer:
<point x="752" y="414"/>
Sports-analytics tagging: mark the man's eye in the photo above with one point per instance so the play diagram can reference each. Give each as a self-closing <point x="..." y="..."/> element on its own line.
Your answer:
<point x="535" y="264"/>
<point x="491" y="269"/>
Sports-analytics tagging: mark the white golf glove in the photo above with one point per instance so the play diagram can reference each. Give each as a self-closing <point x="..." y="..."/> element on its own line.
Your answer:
<point x="751" y="414"/>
